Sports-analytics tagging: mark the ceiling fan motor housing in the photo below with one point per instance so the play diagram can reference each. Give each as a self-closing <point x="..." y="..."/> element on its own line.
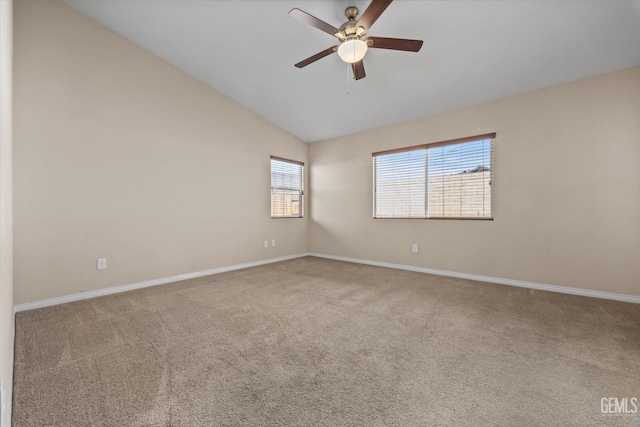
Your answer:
<point x="350" y="29"/>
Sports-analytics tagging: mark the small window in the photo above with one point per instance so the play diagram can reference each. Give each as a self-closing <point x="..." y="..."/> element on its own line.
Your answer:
<point x="287" y="189"/>
<point x="450" y="179"/>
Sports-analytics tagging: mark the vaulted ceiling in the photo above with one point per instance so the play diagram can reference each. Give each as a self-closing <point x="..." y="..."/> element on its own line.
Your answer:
<point x="474" y="52"/>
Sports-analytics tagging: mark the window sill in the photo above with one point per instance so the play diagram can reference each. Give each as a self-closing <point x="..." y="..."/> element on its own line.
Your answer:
<point x="445" y="218"/>
<point x="287" y="217"/>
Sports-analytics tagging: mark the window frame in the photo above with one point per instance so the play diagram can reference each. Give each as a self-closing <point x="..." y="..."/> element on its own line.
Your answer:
<point x="302" y="182"/>
<point x="474" y="138"/>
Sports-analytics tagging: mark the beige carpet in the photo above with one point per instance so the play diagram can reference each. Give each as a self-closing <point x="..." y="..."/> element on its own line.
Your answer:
<point x="314" y="342"/>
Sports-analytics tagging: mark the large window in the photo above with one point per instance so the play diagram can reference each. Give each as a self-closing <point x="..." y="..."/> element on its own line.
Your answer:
<point x="287" y="189"/>
<point x="450" y="179"/>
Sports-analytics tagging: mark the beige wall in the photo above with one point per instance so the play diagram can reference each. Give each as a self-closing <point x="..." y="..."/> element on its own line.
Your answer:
<point x="122" y="156"/>
<point x="567" y="190"/>
<point x="6" y="212"/>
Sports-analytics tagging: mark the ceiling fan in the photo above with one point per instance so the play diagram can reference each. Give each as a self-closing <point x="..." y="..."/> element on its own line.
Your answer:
<point x="353" y="37"/>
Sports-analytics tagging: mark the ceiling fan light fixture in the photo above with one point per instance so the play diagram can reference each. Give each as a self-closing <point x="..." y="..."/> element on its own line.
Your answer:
<point x="352" y="51"/>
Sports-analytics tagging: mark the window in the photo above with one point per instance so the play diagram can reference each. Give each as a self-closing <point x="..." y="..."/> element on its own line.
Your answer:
<point x="450" y="179"/>
<point x="287" y="199"/>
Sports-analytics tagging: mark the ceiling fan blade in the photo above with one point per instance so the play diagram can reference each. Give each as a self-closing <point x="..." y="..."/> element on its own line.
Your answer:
<point x="358" y="70"/>
<point x="303" y="16"/>
<point x="372" y="13"/>
<point x="317" y="56"/>
<point x="395" y="44"/>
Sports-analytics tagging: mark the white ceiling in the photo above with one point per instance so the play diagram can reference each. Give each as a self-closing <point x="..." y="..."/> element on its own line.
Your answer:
<point x="474" y="52"/>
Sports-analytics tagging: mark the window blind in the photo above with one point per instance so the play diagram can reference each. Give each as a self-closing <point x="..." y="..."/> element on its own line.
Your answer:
<point x="287" y="189"/>
<point x="400" y="185"/>
<point x="450" y="179"/>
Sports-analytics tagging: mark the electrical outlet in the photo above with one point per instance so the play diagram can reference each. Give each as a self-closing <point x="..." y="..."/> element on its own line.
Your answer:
<point x="266" y="243"/>
<point x="102" y="264"/>
<point x="273" y="242"/>
<point x="414" y="249"/>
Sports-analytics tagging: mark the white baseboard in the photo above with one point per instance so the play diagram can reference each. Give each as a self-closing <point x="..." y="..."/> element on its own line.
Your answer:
<point x="511" y="282"/>
<point x="164" y="280"/>
<point x="161" y="281"/>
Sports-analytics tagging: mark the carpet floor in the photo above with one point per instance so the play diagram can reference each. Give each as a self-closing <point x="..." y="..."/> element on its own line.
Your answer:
<point x="316" y="342"/>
